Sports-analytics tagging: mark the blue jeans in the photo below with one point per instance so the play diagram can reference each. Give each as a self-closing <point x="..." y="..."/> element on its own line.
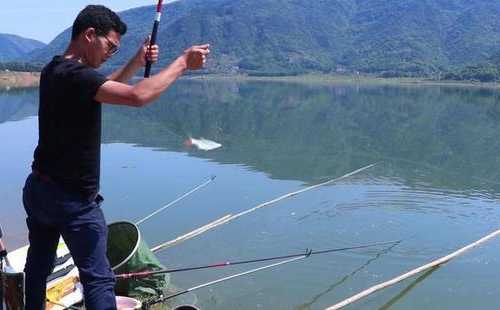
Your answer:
<point x="53" y="212"/>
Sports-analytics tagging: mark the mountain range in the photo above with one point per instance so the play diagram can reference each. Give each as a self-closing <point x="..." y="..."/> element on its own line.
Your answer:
<point x="13" y="47"/>
<point x="400" y="37"/>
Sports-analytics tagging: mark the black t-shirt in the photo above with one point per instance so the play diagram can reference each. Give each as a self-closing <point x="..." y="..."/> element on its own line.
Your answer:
<point x="69" y="119"/>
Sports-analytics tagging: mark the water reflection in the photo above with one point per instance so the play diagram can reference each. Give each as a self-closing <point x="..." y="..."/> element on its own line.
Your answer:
<point x="430" y="137"/>
<point x="401" y="295"/>
<point x="444" y="137"/>
<point x="17" y="104"/>
<point x="309" y="304"/>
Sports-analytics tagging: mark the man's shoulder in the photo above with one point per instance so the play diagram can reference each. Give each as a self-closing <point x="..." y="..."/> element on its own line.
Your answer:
<point x="67" y="69"/>
<point x="61" y="64"/>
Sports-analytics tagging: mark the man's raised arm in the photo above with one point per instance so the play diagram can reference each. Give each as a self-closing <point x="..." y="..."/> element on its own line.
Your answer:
<point x="151" y="88"/>
<point x="137" y="62"/>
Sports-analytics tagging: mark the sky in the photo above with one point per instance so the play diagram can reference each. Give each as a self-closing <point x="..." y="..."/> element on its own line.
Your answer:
<point x="44" y="20"/>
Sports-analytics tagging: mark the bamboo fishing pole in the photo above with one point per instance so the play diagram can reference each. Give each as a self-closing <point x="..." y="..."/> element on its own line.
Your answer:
<point x="411" y="273"/>
<point x="154" y="33"/>
<point x="144" y="274"/>
<point x="262" y="205"/>
<point x="192" y="234"/>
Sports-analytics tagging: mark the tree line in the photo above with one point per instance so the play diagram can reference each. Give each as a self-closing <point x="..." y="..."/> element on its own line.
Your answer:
<point x="21" y="66"/>
<point x="487" y="72"/>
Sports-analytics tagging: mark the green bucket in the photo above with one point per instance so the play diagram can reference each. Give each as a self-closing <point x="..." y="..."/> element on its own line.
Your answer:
<point x="127" y="253"/>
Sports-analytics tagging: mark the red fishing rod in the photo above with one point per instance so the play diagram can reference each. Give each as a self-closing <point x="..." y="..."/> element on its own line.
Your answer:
<point x="144" y="274"/>
<point x="162" y="299"/>
<point x="147" y="71"/>
<point x="291" y="258"/>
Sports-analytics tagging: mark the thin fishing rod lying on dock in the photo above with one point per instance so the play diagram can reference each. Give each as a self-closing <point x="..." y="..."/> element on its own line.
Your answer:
<point x="205" y="183"/>
<point x="163" y="299"/>
<point x="230" y="218"/>
<point x="144" y="274"/>
<point x="412" y="272"/>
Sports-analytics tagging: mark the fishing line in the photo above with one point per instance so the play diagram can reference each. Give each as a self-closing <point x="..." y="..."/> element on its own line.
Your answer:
<point x="205" y="183"/>
<point x="262" y="205"/>
<point x="309" y="304"/>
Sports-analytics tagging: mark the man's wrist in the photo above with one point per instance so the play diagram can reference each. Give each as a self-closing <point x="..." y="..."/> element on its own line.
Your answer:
<point x="182" y="63"/>
<point x="137" y="63"/>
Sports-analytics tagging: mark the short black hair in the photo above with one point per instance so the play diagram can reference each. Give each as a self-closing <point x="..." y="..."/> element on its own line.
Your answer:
<point x="99" y="17"/>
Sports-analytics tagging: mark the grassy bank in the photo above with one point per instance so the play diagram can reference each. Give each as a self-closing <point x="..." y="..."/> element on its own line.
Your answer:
<point x="349" y="79"/>
<point x="10" y="79"/>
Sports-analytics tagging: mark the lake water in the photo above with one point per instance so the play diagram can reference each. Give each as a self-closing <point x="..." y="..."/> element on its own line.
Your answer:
<point x="436" y="187"/>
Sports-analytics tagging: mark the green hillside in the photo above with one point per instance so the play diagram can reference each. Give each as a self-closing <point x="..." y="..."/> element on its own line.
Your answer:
<point x="390" y="37"/>
<point x="13" y="47"/>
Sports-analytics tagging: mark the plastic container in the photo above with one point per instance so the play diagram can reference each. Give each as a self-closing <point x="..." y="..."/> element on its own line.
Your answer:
<point x="186" y="307"/>
<point x="127" y="303"/>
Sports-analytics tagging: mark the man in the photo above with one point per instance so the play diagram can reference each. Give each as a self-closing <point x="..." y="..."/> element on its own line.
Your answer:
<point x="61" y="194"/>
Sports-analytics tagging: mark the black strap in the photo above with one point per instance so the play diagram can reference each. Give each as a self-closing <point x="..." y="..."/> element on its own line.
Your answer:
<point x="62" y="259"/>
<point x="60" y="273"/>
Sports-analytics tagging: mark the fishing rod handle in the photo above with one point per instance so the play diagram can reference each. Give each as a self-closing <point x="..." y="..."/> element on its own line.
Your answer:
<point x="147" y="70"/>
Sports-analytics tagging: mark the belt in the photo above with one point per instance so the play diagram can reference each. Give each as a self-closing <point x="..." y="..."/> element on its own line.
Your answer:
<point x="46" y="178"/>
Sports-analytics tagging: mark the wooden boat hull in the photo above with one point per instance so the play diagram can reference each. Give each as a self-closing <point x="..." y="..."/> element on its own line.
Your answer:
<point x="63" y="285"/>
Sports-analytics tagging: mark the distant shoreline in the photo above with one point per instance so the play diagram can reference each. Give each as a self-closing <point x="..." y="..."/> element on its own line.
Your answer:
<point x="348" y="80"/>
<point x="11" y="79"/>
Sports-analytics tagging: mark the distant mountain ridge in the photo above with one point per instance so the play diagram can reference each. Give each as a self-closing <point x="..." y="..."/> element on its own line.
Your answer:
<point x="14" y="47"/>
<point x="297" y="36"/>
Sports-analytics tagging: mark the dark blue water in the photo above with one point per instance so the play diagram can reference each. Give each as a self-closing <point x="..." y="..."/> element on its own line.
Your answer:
<point x="436" y="187"/>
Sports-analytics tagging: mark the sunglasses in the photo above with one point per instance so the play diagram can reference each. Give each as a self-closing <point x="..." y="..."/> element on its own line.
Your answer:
<point x="112" y="48"/>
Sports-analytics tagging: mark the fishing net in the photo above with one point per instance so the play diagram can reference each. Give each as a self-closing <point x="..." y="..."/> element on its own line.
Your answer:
<point x="127" y="253"/>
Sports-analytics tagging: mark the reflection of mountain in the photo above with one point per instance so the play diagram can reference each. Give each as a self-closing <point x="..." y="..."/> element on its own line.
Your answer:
<point x="448" y="137"/>
<point x="309" y="132"/>
<point x="17" y="104"/>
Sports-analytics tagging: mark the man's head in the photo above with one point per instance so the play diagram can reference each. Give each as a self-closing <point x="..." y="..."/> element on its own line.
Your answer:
<point x="98" y="31"/>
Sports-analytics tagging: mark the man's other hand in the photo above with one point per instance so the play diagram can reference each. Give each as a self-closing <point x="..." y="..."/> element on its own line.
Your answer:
<point x="196" y="56"/>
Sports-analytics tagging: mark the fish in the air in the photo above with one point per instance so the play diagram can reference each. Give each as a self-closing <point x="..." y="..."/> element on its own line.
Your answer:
<point x="203" y="144"/>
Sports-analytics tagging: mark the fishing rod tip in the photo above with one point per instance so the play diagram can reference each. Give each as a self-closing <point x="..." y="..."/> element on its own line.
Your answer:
<point x="308" y="252"/>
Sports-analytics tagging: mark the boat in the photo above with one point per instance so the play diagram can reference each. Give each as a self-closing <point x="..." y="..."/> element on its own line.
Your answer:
<point x="63" y="285"/>
<point x="64" y="289"/>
